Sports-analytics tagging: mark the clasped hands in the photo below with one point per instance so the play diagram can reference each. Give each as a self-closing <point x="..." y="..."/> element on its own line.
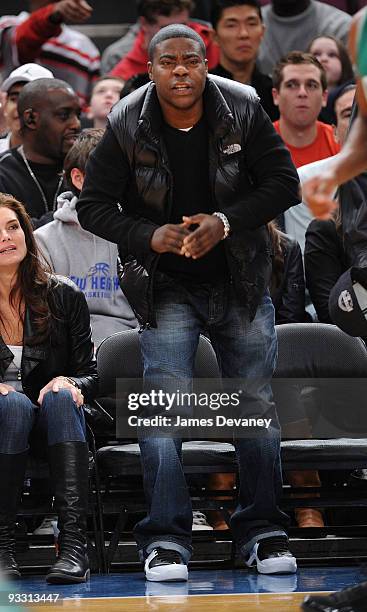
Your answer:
<point x="179" y="239"/>
<point x="60" y="382"/>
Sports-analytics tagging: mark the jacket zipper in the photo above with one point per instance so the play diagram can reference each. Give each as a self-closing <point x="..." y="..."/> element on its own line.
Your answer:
<point x="148" y="323"/>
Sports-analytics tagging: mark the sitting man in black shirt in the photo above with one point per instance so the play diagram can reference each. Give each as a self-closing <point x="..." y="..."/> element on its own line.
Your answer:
<point x="198" y="171"/>
<point x="49" y="112"/>
<point x="239" y="30"/>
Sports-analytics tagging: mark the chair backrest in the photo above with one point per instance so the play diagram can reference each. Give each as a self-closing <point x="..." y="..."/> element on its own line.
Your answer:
<point x="319" y="350"/>
<point x="323" y="374"/>
<point x="119" y="356"/>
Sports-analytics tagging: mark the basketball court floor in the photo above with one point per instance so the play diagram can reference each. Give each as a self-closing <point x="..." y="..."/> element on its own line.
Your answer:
<point x="207" y="591"/>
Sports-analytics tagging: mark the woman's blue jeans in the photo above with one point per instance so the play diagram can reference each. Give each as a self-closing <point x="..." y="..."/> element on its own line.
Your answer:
<point x="57" y="420"/>
<point x="245" y="350"/>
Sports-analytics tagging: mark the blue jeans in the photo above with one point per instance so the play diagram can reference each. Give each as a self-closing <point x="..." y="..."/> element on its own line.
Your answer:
<point x="57" y="420"/>
<point x="245" y="350"/>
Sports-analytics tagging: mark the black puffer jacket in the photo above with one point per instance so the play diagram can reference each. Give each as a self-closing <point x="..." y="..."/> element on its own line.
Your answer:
<point x="69" y="350"/>
<point x="251" y="174"/>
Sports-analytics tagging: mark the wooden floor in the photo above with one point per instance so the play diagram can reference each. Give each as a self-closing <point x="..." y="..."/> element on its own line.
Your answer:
<point x="285" y="602"/>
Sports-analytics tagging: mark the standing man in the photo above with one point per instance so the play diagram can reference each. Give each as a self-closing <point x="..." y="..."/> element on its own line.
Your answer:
<point x="48" y="112"/>
<point x="239" y="30"/>
<point x="198" y="170"/>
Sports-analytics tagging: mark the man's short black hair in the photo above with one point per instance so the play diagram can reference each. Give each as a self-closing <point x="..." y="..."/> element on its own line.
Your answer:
<point x="36" y="92"/>
<point x="220" y="5"/>
<point x="337" y="93"/>
<point x="176" y="30"/>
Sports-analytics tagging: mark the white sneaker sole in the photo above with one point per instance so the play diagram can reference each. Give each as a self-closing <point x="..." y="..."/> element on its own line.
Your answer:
<point x="280" y="565"/>
<point x="276" y="565"/>
<point x="167" y="573"/>
<point x="202" y="528"/>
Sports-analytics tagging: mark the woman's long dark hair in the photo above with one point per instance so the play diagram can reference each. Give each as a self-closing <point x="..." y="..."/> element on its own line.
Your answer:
<point x="278" y="255"/>
<point x="33" y="277"/>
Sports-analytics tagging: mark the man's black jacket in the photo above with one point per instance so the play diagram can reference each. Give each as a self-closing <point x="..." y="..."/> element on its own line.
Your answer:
<point x="325" y="262"/>
<point x="67" y="352"/>
<point x="15" y="179"/>
<point x="251" y="175"/>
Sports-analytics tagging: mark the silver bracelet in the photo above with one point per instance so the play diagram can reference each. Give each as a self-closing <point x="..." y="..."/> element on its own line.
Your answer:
<point x="223" y="218"/>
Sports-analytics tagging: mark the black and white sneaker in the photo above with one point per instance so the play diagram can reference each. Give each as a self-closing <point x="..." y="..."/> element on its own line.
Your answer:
<point x="165" y="564"/>
<point x="272" y="556"/>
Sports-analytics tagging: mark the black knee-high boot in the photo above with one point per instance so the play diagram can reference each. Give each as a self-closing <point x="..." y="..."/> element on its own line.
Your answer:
<point x="69" y="472"/>
<point x="12" y="470"/>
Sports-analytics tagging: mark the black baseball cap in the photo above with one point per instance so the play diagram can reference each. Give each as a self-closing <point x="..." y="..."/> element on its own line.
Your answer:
<point x="348" y="303"/>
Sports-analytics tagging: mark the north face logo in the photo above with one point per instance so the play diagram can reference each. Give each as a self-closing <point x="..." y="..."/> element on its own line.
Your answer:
<point x="233" y="148"/>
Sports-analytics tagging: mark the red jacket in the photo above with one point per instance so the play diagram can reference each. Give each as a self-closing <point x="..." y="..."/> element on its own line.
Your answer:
<point x="135" y="62"/>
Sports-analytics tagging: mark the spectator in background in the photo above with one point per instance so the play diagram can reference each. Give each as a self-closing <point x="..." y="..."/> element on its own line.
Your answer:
<point x="43" y="37"/>
<point x="325" y="256"/>
<point x="298" y="221"/>
<point x="333" y="55"/>
<point x="106" y="92"/>
<point x="90" y="261"/>
<point x="300" y="93"/>
<point x="349" y="6"/>
<point x="291" y="24"/>
<point x="134" y="83"/>
<point x="287" y="285"/>
<point x="49" y="118"/>
<point x="239" y="30"/>
<point x="12" y="86"/>
<point x="129" y="55"/>
<point x="3" y="127"/>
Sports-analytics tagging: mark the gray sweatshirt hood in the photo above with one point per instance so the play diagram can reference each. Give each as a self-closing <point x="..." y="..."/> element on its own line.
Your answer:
<point x="66" y="211"/>
<point x="91" y="262"/>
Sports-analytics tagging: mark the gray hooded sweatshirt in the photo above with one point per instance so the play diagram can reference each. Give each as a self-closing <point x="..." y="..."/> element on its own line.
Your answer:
<point x="90" y="262"/>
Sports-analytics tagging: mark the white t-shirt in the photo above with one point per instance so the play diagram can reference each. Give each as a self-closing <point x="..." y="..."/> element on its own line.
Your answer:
<point x="12" y="373"/>
<point x="297" y="218"/>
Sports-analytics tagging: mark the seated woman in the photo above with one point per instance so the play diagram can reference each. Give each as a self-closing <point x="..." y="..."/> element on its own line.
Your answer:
<point x="47" y="369"/>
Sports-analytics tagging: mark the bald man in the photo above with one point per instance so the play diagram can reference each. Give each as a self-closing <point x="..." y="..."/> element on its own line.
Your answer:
<point x="49" y="116"/>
